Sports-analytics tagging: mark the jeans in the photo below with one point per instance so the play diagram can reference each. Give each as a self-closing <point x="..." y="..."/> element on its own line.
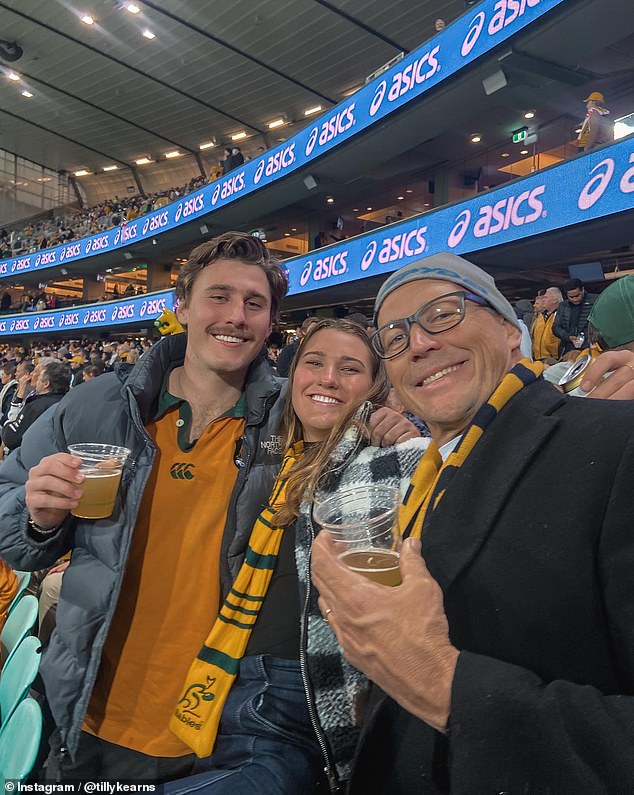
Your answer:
<point x="266" y="744"/>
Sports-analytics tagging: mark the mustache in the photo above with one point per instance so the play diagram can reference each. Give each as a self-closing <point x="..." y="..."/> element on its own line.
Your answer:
<point x="228" y="331"/>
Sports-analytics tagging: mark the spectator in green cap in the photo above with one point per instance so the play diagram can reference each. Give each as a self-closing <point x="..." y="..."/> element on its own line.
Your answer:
<point x="612" y="317"/>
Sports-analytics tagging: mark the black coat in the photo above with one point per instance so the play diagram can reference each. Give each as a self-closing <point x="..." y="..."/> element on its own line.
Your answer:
<point x="6" y="401"/>
<point x="34" y="406"/>
<point x="285" y="358"/>
<point x="533" y="547"/>
<point x="563" y="326"/>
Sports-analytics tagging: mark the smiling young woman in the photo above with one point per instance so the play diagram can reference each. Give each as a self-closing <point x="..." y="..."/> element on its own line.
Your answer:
<point x="334" y="372"/>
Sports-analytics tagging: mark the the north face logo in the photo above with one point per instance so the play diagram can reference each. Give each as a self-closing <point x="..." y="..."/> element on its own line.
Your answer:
<point x="272" y="445"/>
<point x="182" y="471"/>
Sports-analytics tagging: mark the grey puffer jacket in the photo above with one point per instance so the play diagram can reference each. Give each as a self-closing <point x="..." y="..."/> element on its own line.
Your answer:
<point x="114" y="409"/>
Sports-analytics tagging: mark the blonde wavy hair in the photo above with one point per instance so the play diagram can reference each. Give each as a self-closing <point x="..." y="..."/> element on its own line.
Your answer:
<point x="306" y="474"/>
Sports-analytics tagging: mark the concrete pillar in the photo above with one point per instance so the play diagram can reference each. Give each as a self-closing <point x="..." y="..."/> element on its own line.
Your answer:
<point x="441" y="188"/>
<point x="158" y="276"/>
<point x="92" y="289"/>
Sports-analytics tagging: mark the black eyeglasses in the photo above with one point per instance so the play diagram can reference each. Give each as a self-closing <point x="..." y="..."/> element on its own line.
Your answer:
<point x="434" y="317"/>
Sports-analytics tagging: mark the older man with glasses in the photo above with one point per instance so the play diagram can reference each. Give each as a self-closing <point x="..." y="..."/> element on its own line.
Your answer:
<point x="505" y="660"/>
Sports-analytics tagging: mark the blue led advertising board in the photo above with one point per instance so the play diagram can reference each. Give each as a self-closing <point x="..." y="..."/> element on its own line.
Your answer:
<point x="598" y="184"/>
<point x="144" y="308"/>
<point x="595" y="185"/>
<point x="460" y="44"/>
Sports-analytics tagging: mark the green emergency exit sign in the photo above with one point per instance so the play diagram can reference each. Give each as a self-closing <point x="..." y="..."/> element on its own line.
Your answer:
<point x="520" y="135"/>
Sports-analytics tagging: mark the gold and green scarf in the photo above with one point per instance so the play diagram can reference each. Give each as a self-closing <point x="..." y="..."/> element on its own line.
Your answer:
<point x="213" y="672"/>
<point x="432" y="476"/>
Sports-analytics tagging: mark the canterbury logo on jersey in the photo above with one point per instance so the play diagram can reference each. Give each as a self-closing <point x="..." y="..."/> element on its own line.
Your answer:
<point x="182" y="471"/>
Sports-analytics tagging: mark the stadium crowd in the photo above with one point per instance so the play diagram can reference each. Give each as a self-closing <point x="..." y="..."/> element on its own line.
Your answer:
<point x="88" y="221"/>
<point x="206" y="633"/>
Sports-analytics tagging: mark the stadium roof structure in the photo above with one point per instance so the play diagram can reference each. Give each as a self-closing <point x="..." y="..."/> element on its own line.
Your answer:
<point x="99" y="84"/>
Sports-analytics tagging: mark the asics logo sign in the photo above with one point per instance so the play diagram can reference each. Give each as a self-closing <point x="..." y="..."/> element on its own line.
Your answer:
<point x="45" y="322"/>
<point x="69" y="319"/>
<point x="128" y="233"/>
<point x="325" y="267"/>
<point x="152" y="307"/>
<point x="22" y="264"/>
<point x="259" y="171"/>
<point x="155" y="222"/>
<point x="268" y="166"/>
<point x="312" y="140"/>
<point x="20" y="325"/>
<point x="526" y="208"/>
<point x="47" y="258"/>
<point x="229" y="187"/>
<point x="397" y="247"/>
<point x="97" y="244"/>
<point x="70" y="251"/>
<point x="124" y="312"/>
<point x="473" y="34"/>
<point x="406" y="79"/>
<point x="95" y="316"/>
<point x="333" y="127"/>
<point x="193" y="205"/>
<point x="505" y="12"/>
<point x="601" y="177"/>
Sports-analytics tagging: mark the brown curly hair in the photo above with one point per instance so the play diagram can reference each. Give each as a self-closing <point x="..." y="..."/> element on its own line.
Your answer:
<point x="239" y="246"/>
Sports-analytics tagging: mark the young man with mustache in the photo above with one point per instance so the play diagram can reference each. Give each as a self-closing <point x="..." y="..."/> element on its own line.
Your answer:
<point x="198" y="413"/>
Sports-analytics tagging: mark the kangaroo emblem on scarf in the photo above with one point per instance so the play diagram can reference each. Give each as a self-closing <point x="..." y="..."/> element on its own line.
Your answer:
<point x="194" y="695"/>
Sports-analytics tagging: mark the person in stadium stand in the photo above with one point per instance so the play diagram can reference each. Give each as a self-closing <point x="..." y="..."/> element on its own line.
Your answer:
<point x="51" y="381"/>
<point x="226" y="161"/>
<point x="237" y="158"/>
<point x="24" y="377"/>
<point x="505" y="660"/>
<point x="545" y="343"/>
<point x="91" y="371"/>
<point x="596" y="129"/>
<point x="8" y="589"/>
<point x="611" y="321"/>
<point x="524" y="311"/>
<point x="151" y="586"/>
<point x="571" y="320"/>
<point x="76" y="363"/>
<point x="287" y="354"/>
<point x="362" y="320"/>
<point x="9" y="386"/>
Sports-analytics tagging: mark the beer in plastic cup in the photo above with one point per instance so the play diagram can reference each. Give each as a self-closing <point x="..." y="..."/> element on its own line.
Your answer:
<point x="363" y="523"/>
<point x="101" y="465"/>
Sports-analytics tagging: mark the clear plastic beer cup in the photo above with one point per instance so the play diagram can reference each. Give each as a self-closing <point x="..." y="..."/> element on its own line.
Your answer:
<point x="101" y="465"/>
<point x="363" y="523"/>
